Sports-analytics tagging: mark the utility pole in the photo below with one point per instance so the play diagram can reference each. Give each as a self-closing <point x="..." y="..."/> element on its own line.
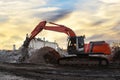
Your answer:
<point x="14" y="47"/>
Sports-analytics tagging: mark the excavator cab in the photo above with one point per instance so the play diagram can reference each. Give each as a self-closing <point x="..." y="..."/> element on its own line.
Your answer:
<point x="76" y="45"/>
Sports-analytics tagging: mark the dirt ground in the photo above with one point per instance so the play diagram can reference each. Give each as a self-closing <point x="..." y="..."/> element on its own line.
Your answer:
<point x="27" y="71"/>
<point x="9" y="76"/>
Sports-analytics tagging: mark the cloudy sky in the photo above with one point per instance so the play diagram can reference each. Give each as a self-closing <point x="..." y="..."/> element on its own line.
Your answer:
<point x="96" y="19"/>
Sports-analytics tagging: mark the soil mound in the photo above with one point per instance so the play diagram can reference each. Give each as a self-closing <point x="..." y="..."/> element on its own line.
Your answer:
<point x="44" y="55"/>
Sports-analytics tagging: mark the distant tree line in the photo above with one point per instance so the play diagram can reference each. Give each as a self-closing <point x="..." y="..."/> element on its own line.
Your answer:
<point x="116" y="46"/>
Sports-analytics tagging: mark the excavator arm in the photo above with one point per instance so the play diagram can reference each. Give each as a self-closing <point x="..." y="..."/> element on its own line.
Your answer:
<point x="42" y="25"/>
<point x="60" y="28"/>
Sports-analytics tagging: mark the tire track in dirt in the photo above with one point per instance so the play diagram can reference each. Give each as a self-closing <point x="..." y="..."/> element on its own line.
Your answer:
<point x="55" y="72"/>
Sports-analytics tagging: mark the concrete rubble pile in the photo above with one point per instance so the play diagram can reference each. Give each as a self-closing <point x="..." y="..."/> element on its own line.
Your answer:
<point x="9" y="56"/>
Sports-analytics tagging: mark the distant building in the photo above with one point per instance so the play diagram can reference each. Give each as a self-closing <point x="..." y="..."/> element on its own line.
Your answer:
<point x="38" y="43"/>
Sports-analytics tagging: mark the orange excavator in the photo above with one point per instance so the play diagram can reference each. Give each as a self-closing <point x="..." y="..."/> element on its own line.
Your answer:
<point x="93" y="52"/>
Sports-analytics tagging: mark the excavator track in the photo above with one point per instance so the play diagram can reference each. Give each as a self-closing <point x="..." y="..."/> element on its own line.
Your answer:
<point x="53" y="57"/>
<point x="87" y="61"/>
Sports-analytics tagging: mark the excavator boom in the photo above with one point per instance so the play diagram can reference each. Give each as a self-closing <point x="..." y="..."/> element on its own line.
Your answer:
<point x="57" y="28"/>
<point x="37" y="29"/>
<point x="42" y="25"/>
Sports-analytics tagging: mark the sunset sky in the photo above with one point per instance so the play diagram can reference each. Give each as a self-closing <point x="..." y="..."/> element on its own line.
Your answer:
<point x="96" y="19"/>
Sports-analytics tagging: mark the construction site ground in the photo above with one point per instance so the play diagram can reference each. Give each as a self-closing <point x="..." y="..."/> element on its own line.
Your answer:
<point x="35" y="68"/>
<point x="28" y="71"/>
